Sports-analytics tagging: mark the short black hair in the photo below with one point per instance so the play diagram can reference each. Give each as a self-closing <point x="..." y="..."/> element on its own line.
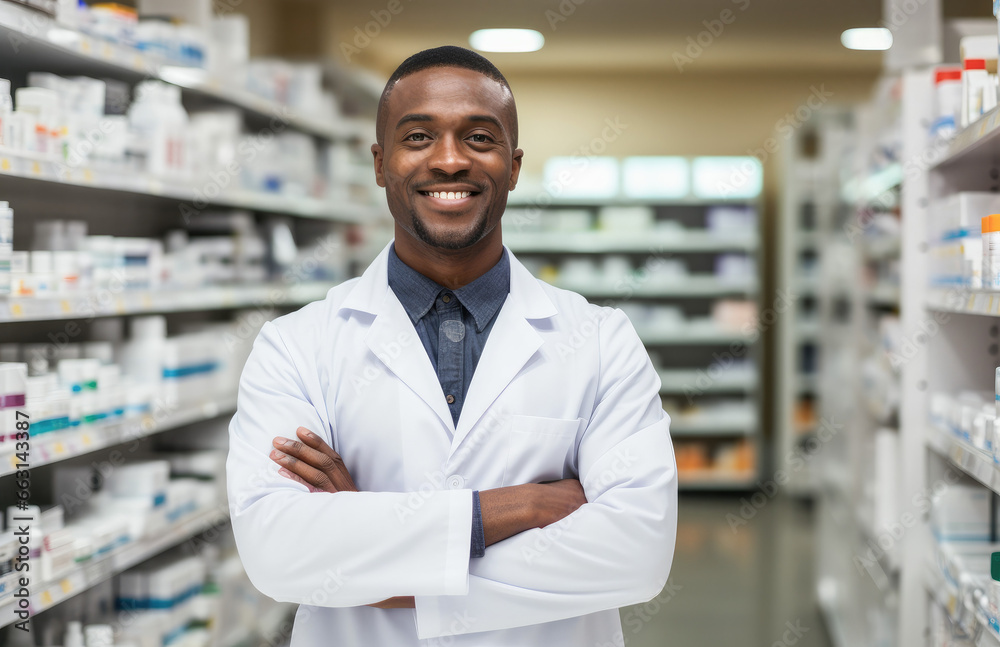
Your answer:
<point x="445" y="56"/>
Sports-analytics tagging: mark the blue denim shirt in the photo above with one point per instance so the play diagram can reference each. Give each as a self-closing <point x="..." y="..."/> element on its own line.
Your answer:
<point x="453" y="326"/>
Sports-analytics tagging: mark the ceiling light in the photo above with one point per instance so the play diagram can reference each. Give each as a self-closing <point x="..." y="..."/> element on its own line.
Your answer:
<point x="507" y="40"/>
<point x="867" y="38"/>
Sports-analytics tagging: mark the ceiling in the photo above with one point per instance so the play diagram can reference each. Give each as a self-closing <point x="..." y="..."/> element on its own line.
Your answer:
<point x="617" y="35"/>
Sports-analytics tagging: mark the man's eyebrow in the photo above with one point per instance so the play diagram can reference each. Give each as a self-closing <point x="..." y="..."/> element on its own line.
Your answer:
<point x="489" y="118"/>
<point x="413" y="117"/>
<point x="422" y="117"/>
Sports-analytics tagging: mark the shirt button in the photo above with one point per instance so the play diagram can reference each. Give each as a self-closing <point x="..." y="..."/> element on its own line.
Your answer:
<point x="456" y="482"/>
<point x="450" y="399"/>
<point x="446" y="298"/>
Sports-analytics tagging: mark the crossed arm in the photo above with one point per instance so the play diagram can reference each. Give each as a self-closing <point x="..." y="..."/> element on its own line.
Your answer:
<point x="506" y="511"/>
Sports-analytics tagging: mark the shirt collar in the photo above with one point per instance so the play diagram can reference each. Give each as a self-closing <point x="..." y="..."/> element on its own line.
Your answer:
<point x="482" y="298"/>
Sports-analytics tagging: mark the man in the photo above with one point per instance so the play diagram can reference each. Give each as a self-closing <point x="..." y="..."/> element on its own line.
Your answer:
<point x="478" y="458"/>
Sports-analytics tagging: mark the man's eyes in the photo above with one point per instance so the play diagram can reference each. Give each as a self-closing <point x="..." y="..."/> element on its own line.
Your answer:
<point x="477" y="138"/>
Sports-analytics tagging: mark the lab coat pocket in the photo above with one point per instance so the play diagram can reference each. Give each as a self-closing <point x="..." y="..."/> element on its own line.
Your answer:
<point x="540" y="449"/>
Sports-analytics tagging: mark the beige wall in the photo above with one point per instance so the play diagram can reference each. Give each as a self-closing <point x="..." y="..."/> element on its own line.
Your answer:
<point x="672" y="114"/>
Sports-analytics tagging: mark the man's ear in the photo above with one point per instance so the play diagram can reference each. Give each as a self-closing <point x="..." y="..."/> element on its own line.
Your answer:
<point x="377" y="153"/>
<point x="515" y="168"/>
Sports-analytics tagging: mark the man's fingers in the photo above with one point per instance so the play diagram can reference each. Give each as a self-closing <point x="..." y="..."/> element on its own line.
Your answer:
<point x="298" y="479"/>
<point x="308" y="473"/>
<point x="315" y="442"/>
<point x="329" y="460"/>
<point x="314" y="457"/>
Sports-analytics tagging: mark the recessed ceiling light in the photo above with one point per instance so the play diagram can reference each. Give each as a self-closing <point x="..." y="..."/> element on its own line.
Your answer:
<point x="867" y="38"/>
<point x="507" y="40"/>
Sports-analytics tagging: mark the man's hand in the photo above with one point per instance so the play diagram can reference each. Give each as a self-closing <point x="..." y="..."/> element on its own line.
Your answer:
<point x="510" y="510"/>
<point x="559" y="499"/>
<point x="312" y="462"/>
<point x="506" y="511"/>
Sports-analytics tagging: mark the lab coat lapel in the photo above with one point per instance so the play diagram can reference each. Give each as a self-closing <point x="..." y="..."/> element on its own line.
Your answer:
<point x="512" y="343"/>
<point x="393" y="339"/>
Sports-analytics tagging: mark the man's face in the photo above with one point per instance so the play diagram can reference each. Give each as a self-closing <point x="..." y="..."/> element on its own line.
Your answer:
<point x="447" y="159"/>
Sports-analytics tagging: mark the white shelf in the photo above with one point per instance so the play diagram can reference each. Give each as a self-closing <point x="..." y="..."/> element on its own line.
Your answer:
<point x="701" y="381"/>
<point x="806" y="383"/>
<point x="692" y="286"/>
<point x="692" y="335"/>
<point x="713" y="480"/>
<point x="965" y="300"/>
<point x="130" y="302"/>
<point x="976" y="145"/>
<point x="30" y="35"/>
<point x="610" y="242"/>
<point x="883" y="295"/>
<point x="951" y="599"/>
<point x="807" y="329"/>
<point x="16" y="166"/>
<point x="542" y="200"/>
<point x="59" y="446"/>
<point x="973" y="461"/>
<point x="865" y="189"/>
<point x="881" y="248"/>
<point x="47" y="595"/>
<point x="808" y="240"/>
<point x="710" y="423"/>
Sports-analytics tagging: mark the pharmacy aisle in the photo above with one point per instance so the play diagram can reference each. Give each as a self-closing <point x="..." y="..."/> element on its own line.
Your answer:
<point x="156" y="209"/>
<point x="922" y="482"/>
<point x="673" y="242"/>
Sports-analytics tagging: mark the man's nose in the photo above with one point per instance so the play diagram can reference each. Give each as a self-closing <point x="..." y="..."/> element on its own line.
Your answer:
<point x="449" y="156"/>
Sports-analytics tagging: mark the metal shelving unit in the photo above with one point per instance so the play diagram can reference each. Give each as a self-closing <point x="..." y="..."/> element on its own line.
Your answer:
<point x="41" y="188"/>
<point x="810" y="199"/>
<point x="680" y="235"/>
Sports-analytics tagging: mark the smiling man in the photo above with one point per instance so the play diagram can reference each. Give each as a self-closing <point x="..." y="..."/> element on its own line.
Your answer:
<point x="446" y="450"/>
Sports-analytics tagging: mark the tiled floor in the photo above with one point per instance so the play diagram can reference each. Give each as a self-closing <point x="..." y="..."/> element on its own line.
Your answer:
<point x="748" y="585"/>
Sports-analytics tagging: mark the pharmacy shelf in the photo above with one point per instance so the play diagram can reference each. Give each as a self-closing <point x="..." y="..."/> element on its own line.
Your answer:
<point x="42" y="173"/>
<point x="63" y="445"/>
<point x="710" y="480"/>
<point x="965" y="300"/>
<point x="869" y="187"/>
<point x="806" y="286"/>
<point x="835" y="625"/>
<point x="46" y="595"/>
<point x="807" y="329"/>
<point x="951" y="599"/>
<point x="975" y="462"/>
<point x="702" y="381"/>
<point x="806" y="383"/>
<point x="26" y="35"/>
<point x="639" y="242"/>
<point x="883" y="295"/>
<point x="881" y="248"/>
<point x="808" y="240"/>
<point x="714" y="423"/>
<point x="524" y="197"/>
<point x="692" y="287"/>
<point x="692" y="335"/>
<point x="975" y="146"/>
<point x="133" y="302"/>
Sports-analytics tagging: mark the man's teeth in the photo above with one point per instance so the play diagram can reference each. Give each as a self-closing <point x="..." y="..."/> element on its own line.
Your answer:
<point x="449" y="195"/>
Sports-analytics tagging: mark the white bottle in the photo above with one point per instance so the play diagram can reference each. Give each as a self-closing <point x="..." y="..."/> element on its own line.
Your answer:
<point x="158" y="130"/>
<point x="6" y="108"/>
<point x="6" y="245"/>
<point x="74" y="634"/>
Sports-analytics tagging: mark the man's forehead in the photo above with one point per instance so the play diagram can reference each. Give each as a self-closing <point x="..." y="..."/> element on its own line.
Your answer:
<point x="456" y="86"/>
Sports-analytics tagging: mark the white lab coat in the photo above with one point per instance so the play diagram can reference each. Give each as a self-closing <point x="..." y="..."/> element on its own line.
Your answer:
<point x="563" y="389"/>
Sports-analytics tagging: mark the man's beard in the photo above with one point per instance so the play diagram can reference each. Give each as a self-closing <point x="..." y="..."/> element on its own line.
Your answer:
<point x="466" y="240"/>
